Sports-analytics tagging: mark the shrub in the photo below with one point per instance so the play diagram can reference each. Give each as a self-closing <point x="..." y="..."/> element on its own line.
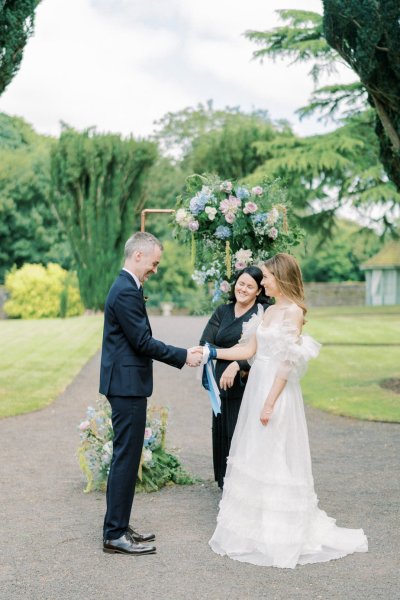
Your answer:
<point x="37" y="292"/>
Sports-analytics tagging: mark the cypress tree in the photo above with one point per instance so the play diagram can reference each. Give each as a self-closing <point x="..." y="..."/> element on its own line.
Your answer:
<point x="96" y="191"/>
<point x="16" y="25"/>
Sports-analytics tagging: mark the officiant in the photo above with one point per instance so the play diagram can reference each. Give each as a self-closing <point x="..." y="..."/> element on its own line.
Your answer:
<point x="224" y="330"/>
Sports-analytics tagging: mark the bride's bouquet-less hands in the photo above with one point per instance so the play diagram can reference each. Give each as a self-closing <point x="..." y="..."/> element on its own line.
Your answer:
<point x="157" y="467"/>
<point x="231" y="226"/>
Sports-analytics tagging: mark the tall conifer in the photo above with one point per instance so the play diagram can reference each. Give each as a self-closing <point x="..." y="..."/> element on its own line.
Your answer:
<point x="96" y="190"/>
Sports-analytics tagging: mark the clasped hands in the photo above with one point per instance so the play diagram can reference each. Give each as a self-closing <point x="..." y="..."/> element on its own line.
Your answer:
<point x="194" y="356"/>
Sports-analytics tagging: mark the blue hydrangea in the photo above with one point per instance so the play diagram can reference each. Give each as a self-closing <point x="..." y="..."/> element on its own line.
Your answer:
<point x="242" y="193"/>
<point x="222" y="232"/>
<point x="198" y="202"/>
<point x="259" y="218"/>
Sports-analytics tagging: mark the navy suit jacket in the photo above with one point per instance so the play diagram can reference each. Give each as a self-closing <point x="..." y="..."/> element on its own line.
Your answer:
<point x="128" y="346"/>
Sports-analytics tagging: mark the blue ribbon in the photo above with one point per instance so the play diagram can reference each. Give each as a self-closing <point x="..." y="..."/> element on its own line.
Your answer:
<point x="209" y="383"/>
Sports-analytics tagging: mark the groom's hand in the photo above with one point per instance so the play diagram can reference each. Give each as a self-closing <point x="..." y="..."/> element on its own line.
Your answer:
<point x="194" y="356"/>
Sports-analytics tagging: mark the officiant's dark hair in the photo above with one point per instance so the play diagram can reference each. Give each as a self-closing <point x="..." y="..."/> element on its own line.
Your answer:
<point x="256" y="274"/>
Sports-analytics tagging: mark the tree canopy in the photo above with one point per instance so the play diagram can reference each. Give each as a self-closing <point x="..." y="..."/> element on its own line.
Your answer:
<point x="29" y="229"/>
<point x="97" y="184"/>
<point x="367" y="36"/>
<point x="16" y="26"/>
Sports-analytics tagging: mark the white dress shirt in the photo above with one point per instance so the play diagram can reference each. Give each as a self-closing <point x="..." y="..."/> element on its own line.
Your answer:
<point x="135" y="277"/>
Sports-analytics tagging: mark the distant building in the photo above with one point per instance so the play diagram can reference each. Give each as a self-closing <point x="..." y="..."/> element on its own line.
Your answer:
<point x="382" y="273"/>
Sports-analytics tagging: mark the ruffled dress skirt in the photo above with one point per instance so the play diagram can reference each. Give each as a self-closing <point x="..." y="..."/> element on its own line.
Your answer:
<point x="269" y="511"/>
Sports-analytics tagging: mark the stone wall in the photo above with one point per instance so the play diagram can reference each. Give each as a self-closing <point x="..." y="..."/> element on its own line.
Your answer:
<point x="351" y="293"/>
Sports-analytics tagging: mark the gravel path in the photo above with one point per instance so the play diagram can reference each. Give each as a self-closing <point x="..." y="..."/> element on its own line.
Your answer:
<point x="51" y="532"/>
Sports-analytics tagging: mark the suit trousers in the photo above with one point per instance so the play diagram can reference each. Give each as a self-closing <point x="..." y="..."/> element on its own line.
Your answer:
<point x="129" y="422"/>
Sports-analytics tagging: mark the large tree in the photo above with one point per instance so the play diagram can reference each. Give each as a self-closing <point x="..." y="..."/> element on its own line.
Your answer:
<point x="366" y="34"/>
<point x="97" y="192"/>
<point x="29" y="228"/>
<point x="16" y="25"/>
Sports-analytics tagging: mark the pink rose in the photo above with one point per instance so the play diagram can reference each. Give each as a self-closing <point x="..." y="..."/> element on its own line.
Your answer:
<point x="239" y="265"/>
<point x="273" y="233"/>
<point x="229" y="217"/>
<point x="226" y="186"/>
<point x="84" y="425"/>
<point x="193" y="225"/>
<point x="249" y="208"/>
<point x="257" y="190"/>
<point x="224" y="287"/>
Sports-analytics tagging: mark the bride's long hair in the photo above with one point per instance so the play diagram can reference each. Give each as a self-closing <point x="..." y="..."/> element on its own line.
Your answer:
<point x="289" y="280"/>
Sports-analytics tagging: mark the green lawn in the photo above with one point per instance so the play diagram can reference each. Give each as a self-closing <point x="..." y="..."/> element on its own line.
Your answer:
<point x="39" y="358"/>
<point x="361" y="347"/>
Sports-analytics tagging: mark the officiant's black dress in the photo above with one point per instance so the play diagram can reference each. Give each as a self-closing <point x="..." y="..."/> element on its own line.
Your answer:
<point x="224" y="330"/>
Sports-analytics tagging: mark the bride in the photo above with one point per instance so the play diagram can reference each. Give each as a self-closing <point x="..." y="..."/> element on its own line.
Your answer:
<point x="269" y="511"/>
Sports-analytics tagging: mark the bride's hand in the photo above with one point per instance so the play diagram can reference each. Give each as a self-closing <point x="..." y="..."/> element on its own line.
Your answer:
<point x="266" y="413"/>
<point x="228" y="376"/>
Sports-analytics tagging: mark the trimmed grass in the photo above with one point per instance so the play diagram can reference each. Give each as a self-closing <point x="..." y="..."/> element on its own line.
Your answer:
<point x="361" y="347"/>
<point x="39" y="358"/>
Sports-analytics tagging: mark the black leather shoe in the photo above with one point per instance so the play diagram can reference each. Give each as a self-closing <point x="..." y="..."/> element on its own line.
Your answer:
<point x="126" y="545"/>
<point x="140" y="537"/>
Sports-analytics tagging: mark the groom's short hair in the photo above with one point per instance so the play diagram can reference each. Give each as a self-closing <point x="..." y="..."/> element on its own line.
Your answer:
<point x="142" y="240"/>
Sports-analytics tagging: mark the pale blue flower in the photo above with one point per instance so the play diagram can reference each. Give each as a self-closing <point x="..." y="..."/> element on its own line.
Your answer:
<point x="222" y="232"/>
<point x="259" y="218"/>
<point x="242" y="193"/>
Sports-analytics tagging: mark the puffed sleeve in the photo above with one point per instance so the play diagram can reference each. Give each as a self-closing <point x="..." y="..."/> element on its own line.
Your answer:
<point x="293" y="351"/>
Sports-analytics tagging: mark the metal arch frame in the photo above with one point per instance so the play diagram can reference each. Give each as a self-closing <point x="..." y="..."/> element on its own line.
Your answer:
<point x="147" y="211"/>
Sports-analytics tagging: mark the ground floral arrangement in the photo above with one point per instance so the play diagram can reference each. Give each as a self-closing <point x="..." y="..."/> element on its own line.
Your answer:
<point x="231" y="226"/>
<point x="157" y="467"/>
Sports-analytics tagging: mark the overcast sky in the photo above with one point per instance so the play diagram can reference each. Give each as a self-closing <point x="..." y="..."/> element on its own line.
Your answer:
<point x="122" y="64"/>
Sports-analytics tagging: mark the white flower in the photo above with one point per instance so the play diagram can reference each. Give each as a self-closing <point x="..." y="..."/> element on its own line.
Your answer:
<point x="243" y="256"/>
<point x="199" y="277"/>
<point x="147" y="455"/>
<point x="108" y="447"/>
<point x="211" y="212"/>
<point x="182" y="217"/>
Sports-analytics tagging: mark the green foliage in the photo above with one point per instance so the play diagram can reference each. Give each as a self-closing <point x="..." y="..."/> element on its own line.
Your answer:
<point x="338" y="257"/>
<point x="301" y="38"/>
<point x="177" y="132"/>
<point x="97" y="193"/>
<point x="157" y="466"/>
<point x="229" y="149"/>
<point x="29" y="229"/>
<point x="165" y="181"/>
<point x="324" y="172"/>
<point x="173" y="282"/>
<point x="16" y="26"/>
<point x="367" y="36"/>
<point x="38" y="292"/>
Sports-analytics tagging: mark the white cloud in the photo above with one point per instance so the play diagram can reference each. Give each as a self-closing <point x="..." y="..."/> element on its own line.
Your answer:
<point x="120" y="65"/>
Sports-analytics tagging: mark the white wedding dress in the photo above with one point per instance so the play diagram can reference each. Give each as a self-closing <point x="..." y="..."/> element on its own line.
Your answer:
<point x="269" y="511"/>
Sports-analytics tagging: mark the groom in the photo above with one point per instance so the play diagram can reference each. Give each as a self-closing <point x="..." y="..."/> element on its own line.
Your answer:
<point x="126" y="378"/>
